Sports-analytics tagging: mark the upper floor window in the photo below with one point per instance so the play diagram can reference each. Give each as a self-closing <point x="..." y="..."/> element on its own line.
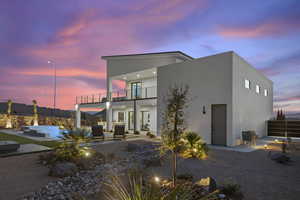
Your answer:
<point x="257" y="89"/>
<point x="247" y="84"/>
<point x="266" y="92"/>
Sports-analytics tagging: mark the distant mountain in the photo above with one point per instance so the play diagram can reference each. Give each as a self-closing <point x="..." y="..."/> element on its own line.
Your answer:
<point x="293" y="116"/>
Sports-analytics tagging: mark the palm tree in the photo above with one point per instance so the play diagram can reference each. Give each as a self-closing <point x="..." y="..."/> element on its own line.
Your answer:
<point x="35" y="115"/>
<point x="194" y="146"/>
<point x="9" y="108"/>
<point x="174" y="124"/>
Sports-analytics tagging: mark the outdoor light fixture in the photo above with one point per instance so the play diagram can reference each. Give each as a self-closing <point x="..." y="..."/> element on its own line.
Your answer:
<point x="203" y="110"/>
<point x="138" y="75"/>
<point x="154" y="72"/>
<point x="276" y="141"/>
<point x="195" y="150"/>
<point x="156" y="179"/>
<point x="266" y="146"/>
<point x="124" y="78"/>
<point x="107" y="104"/>
<point x="87" y="154"/>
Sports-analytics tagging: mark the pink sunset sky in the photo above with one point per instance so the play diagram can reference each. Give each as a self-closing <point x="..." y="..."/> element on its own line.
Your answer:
<point x="74" y="34"/>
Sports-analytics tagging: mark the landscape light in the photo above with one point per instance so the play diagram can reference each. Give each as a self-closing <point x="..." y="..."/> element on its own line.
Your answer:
<point x="87" y="154"/>
<point x="156" y="179"/>
<point x="195" y="150"/>
<point x="276" y="141"/>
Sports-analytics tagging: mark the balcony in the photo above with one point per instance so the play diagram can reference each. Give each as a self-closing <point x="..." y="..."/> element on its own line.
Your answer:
<point x="137" y="93"/>
<point x="119" y="95"/>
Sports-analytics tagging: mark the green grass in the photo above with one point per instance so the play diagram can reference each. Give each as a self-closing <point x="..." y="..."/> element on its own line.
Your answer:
<point x="23" y="140"/>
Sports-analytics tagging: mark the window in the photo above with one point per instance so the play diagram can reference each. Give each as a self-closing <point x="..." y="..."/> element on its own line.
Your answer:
<point x="266" y="92"/>
<point x="247" y="84"/>
<point x="121" y="116"/>
<point x="257" y="89"/>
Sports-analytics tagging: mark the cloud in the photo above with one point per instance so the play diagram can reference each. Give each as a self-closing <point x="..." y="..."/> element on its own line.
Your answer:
<point x="286" y="64"/>
<point x="274" y="24"/>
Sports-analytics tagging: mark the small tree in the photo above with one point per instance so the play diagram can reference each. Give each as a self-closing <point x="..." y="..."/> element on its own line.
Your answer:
<point x="174" y="124"/>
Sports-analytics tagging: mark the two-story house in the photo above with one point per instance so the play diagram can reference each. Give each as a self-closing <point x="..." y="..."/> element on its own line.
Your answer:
<point x="227" y="94"/>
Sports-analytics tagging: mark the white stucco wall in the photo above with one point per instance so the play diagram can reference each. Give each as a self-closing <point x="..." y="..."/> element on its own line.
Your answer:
<point x="251" y="110"/>
<point x="210" y="82"/>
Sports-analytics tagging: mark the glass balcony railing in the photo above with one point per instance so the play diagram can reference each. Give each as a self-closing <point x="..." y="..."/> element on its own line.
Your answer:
<point x="136" y="93"/>
<point x="119" y="95"/>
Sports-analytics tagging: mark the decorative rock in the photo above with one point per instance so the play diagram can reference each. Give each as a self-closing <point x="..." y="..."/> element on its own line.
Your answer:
<point x="63" y="169"/>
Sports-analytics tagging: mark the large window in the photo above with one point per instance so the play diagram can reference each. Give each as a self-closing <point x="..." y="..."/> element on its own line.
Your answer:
<point x="121" y="116"/>
<point x="266" y="92"/>
<point x="136" y="90"/>
<point x="257" y="89"/>
<point x="247" y="84"/>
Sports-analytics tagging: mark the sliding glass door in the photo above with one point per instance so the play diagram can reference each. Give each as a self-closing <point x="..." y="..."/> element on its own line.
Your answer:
<point x="136" y="90"/>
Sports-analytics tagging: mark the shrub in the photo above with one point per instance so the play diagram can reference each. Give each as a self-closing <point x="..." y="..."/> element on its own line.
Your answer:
<point x="194" y="146"/>
<point x="70" y="150"/>
<point x="136" y="132"/>
<point x="232" y="190"/>
<point x="150" y="135"/>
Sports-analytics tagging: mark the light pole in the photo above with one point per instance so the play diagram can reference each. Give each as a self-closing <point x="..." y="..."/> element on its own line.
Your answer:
<point x="54" y="95"/>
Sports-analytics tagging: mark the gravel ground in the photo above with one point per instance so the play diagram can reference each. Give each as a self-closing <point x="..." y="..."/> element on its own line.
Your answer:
<point x="259" y="177"/>
<point x="21" y="174"/>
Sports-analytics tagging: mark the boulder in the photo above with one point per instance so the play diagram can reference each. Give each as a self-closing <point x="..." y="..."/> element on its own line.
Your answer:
<point x="208" y="183"/>
<point x="63" y="169"/>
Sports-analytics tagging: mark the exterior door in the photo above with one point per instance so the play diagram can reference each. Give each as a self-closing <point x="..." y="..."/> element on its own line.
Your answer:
<point x="130" y="120"/>
<point x="136" y="90"/>
<point x="218" y="126"/>
<point x="145" y="120"/>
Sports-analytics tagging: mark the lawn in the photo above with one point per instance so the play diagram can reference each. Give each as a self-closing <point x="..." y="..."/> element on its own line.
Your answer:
<point x="23" y="140"/>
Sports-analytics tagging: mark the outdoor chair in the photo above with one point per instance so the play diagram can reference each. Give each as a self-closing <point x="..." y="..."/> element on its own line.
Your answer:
<point x="249" y="137"/>
<point x="97" y="132"/>
<point x="119" y="131"/>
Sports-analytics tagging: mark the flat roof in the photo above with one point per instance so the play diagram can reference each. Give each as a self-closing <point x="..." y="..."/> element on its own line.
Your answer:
<point x="179" y="53"/>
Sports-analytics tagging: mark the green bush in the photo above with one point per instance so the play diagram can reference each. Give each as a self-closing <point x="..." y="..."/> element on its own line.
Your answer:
<point x="232" y="190"/>
<point x="150" y="135"/>
<point x="194" y="146"/>
<point x="71" y="149"/>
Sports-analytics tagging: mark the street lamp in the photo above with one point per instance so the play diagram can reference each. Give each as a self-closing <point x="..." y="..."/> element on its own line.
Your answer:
<point x="54" y="95"/>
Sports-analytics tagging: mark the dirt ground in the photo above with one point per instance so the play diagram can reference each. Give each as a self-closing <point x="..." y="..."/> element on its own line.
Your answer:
<point x="260" y="178"/>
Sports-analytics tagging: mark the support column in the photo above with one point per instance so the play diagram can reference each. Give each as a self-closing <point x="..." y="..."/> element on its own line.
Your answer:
<point x="137" y="117"/>
<point x="78" y="116"/>
<point x="108" y="116"/>
<point x="108" y="105"/>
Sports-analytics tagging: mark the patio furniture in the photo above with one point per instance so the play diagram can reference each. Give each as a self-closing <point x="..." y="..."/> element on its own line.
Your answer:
<point x="249" y="137"/>
<point x="8" y="146"/>
<point x="97" y="132"/>
<point x="119" y="131"/>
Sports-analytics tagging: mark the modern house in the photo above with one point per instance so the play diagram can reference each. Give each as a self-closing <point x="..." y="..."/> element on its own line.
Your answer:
<point x="228" y="95"/>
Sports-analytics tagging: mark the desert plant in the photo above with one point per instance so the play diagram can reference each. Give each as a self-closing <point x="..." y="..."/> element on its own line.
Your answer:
<point x="150" y="135"/>
<point x="70" y="149"/>
<point x="232" y="190"/>
<point x="174" y="124"/>
<point x="136" y="132"/>
<point x="194" y="146"/>
<point x="138" y="188"/>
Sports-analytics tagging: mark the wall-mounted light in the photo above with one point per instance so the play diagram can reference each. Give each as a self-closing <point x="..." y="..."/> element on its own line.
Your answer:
<point x="138" y="75"/>
<point x="107" y="104"/>
<point x="203" y="110"/>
